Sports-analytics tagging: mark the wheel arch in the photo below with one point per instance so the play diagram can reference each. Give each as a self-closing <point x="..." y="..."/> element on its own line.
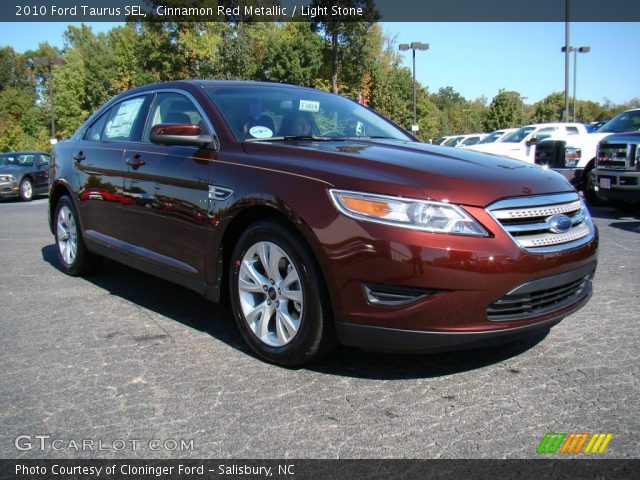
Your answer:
<point x="248" y="216"/>
<point x="57" y="191"/>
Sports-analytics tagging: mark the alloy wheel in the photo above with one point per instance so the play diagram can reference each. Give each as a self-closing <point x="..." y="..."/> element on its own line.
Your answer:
<point x="67" y="235"/>
<point x="271" y="296"/>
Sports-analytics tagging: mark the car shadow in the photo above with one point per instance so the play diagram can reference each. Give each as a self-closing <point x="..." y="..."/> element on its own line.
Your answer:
<point x="194" y="311"/>
<point x="631" y="222"/>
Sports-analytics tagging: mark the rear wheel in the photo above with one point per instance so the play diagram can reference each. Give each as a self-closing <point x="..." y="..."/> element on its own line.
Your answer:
<point x="278" y="296"/>
<point x="26" y="190"/>
<point x="74" y="257"/>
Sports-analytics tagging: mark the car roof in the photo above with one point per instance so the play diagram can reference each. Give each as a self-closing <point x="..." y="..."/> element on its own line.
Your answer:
<point x="25" y="152"/>
<point x="212" y="83"/>
<point x="554" y="124"/>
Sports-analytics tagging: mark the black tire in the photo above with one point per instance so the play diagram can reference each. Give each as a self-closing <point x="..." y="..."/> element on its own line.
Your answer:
<point x="590" y="194"/>
<point x="83" y="261"/>
<point x="26" y="190"/>
<point x="315" y="335"/>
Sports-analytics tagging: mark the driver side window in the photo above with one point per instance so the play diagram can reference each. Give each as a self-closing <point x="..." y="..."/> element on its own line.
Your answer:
<point x="173" y="107"/>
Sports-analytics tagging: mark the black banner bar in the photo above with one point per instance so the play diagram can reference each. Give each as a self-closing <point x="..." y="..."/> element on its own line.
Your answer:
<point x="304" y="10"/>
<point x="291" y="469"/>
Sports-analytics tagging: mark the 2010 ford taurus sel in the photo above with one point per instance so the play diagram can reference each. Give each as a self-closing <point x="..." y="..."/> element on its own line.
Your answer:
<point x="319" y="221"/>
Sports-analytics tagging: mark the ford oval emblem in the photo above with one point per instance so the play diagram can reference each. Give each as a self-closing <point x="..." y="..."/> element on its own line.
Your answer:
<point x="559" y="223"/>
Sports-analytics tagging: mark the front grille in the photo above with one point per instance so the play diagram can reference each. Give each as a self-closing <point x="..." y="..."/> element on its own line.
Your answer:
<point x="544" y="295"/>
<point x="546" y="223"/>
<point x="613" y="155"/>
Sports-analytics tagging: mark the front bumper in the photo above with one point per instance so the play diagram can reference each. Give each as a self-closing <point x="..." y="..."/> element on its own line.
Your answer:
<point x="574" y="175"/>
<point x="624" y="184"/>
<point x="384" y="339"/>
<point x="9" y="189"/>
<point x="456" y="282"/>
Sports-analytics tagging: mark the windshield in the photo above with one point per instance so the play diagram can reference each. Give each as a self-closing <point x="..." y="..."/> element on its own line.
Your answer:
<point x="518" y="135"/>
<point x="267" y="112"/>
<point x="492" y="137"/>
<point x="20" y="160"/>
<point x="624" y="122"/>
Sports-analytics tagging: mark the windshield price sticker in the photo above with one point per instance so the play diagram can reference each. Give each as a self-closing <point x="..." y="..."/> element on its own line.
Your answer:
<point x="309" y="106"/>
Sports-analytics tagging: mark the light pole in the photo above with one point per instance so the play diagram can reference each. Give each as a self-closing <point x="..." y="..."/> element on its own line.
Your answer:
<point x="49" y="63"/>
<point x="566" y="50"/>
<point x="414" y="46"/>
<point x="522" y="99"/>
<point x="575" y="73"/>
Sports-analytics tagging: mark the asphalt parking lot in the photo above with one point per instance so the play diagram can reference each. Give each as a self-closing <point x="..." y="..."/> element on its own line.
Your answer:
<point x="121" y="357"/>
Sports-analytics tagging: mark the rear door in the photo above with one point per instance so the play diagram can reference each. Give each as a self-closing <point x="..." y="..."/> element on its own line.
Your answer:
<point x="99" y="160"/>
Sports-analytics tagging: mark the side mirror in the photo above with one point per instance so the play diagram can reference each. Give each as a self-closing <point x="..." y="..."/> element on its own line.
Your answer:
<point x="181" y="134"/>
<point x="533" y="141"/>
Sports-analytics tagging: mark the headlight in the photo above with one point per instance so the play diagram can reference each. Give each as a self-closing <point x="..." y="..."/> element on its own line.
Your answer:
<point x="572" y="156"/>
<point x="7" y="178"/>
<point x="425" y="215"/>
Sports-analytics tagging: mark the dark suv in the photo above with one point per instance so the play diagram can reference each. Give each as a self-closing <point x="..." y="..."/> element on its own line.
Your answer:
<point x="320" y="221"/>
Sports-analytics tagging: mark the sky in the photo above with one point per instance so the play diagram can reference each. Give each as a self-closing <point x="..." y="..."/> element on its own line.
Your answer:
<point x="478" y="59"/>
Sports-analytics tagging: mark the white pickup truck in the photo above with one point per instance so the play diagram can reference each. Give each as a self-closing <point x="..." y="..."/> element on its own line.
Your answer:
<point x="521" y="144"/>
<point x="574" y="156"/>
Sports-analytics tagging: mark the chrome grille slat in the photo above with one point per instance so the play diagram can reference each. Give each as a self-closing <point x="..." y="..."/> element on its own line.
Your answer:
<point x="543" y="239"/>
<point x="543" y="211"/>
<point x="531" y="221"/>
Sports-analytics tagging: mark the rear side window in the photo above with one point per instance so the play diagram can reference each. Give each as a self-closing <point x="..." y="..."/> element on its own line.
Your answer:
<point x="94" y="132"/>
<point x="544" y="133"/>
<point x="125" y="120"/>
<point x="572" y="130"/>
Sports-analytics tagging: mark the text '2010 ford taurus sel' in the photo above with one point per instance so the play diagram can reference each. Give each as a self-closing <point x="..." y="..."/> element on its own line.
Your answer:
<point x="320" y="221"/>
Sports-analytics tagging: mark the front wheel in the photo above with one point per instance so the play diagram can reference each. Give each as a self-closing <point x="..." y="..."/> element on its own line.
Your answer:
<point x="73" y="256"/>
<point x="26" y="190"/>
<point x="278" y="296"/>
<point x="592" y="196"/>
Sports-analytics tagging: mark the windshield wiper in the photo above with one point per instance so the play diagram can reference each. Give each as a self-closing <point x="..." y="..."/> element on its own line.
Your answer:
<point x="376" y="137"/>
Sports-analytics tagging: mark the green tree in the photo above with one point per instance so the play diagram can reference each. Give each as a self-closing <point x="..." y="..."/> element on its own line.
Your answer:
<point x="72" y="106"/>
<point x="550" y="108"/>
<point x="349" y="37"/>
<point x="505" y="111"/>
<point x="300" y="69"/>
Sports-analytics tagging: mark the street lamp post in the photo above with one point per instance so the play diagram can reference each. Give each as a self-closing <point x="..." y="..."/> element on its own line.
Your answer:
<point x="575" y="73"/>
<point x="522" y="99"/>
<point x="414" y="46"/>
<point x="49" y="63"/>
<point x="566" y="50"/>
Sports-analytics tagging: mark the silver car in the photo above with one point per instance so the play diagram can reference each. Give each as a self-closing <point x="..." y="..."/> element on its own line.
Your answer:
<point x="24" y="174"/>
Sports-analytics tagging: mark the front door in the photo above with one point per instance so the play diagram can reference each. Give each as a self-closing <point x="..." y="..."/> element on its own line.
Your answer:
<point x="167" y="192"/>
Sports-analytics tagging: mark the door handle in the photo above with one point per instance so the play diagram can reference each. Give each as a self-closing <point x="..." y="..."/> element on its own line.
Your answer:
<point x="80" y="156"/>
<point x="136" y="162"/>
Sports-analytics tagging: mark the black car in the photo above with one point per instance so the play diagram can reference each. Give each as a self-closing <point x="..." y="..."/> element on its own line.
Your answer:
<point x="24" y="174"/>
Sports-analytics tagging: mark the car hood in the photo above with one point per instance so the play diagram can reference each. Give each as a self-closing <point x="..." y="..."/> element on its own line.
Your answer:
<point x="409" y="169"/>
<point x="582" y="140"/>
